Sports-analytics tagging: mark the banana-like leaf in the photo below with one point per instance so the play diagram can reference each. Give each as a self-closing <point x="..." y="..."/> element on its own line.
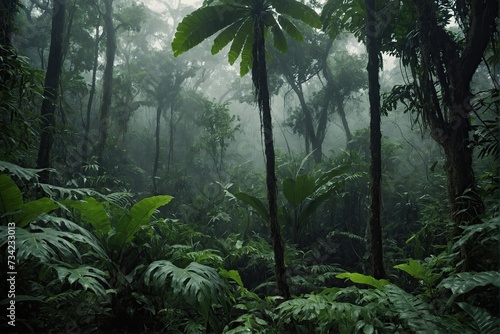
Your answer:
<point x="255" y="203"/>
<point x="11" y="198"/>
<point x="34" y="209"/>
<point x="88" y="277"/>
<point x="364" y="279"/>
<point x="92" y="213"/>
<point x="297" y="190"/>
<point x="137" y="217"/>
<point x="482" y="321"/>
<point x="201" y="286"/>
<point x="461" y="283"/>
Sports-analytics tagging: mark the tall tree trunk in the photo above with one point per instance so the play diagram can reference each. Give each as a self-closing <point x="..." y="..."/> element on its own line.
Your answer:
<point x="86" y="139"/>
<point x="259" y="78"/>
<point x="454" y="65"/>
<point x="8" y="10"/>
<point x="50" y="95"/>
<point x="157" y="150"/>
<point x="107" y="82"/>
<point x="375" y="228"/>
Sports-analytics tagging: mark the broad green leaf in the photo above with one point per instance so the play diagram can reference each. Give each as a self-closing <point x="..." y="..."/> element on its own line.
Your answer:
<point x="226" y="36"/>
<point x="255" y="203"/>
<point x="33" y="209"/>
<point x="239" y="40"/>
<point x="298" y="11"/>
<point x="278" y="37"/>
<point x="20" y="172"/>
<point x="415" y="269"/>
<point x="364" y="279"/>
<point x="461" y="283"/>
<point x="201" y="286"/>
<point x="11" y="198"/>
<point x="290" y="28"/>
<point x="92" y="213"/>
<point x="89" y="278"/>
<point x="247" y="55"/>
<point x="46" y="244"/>
<point x="232" y="274"/>
<point x="298" y="189"/>
<point x="137" y="217"/>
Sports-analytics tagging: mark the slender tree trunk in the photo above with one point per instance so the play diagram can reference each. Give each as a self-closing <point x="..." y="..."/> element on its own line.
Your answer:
<point x="86" y="139"/>
<point x="50" y="95"/>
<point x="375" y="228"/>
<point x="107" y="81"/>
<point x="157" y="151"/>
<point x="340" y="109"/>
<point x="8" y="10"/>
<point x="171" y="139"/>
<point x="259" y="78"/>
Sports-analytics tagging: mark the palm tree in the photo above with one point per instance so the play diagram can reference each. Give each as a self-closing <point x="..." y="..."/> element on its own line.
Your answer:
<point x="245" y="23"/>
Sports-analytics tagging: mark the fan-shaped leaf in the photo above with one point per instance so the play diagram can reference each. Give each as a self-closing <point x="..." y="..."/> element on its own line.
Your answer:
<point x="298" y="11"/>
<point x="226" y="36"/>
<point x="203" y="23"/>
<point x="290" y="28"/>
<point x="239" y="40"/>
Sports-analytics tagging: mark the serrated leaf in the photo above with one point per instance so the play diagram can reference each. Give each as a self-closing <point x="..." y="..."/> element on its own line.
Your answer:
<point x="88" y="277"/>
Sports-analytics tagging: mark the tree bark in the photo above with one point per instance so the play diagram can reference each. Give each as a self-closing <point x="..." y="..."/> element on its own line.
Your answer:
<point x="157" y="150"/>
<point x="376" y="253"/>
<point x="340" y="109"/>
<point x="454" y="67"/>
<point x="86" y="139"/>
<point x="50" y="94"/>
<point x="107" y="82"/>
<point x="259" y="78"/>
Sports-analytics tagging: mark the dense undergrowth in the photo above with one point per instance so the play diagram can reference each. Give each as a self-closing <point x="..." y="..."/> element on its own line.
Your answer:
<point x="92" y="262"/>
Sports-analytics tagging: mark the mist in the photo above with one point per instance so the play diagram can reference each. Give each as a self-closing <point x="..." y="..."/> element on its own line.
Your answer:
<point x="230" y="166"/>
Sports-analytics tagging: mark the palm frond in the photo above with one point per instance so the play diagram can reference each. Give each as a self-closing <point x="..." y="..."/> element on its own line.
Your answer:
<point x="298" y="11"/>
<point x="201" y="24"/>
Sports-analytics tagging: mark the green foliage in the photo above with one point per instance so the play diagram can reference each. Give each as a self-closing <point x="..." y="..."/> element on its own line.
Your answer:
<point x="461" y="283"/>
<point x="235" y="21"/>
<point x="415" y="269"/>
<point x="364" y="279"/>
<point x="88" y="277"/>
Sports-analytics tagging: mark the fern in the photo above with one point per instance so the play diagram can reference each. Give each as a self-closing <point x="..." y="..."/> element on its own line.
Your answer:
<point x="480" y="320"/>
<point x="461" y="283"/>
<point x="413" y="312"/>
